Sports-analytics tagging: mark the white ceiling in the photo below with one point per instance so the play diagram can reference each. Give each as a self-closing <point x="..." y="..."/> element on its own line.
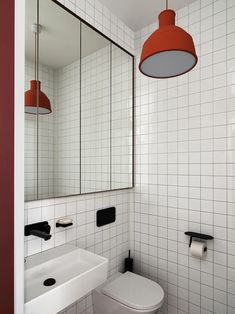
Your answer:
<point x="60" y="35"/>
<point x="139" y="13"/>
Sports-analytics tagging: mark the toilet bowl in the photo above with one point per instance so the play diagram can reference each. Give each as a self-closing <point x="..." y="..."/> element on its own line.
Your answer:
<point x="128" y="293"/>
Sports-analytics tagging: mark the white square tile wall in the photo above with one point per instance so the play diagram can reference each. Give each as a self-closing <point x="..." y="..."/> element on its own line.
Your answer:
<point x="111" y="241"/>
<point x="185" y="167"/>
<point x="102" y="19"/>
<point x="184" y="170"/>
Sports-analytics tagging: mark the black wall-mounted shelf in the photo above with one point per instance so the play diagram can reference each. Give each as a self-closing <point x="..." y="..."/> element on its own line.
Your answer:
<point x="198" y="235"/>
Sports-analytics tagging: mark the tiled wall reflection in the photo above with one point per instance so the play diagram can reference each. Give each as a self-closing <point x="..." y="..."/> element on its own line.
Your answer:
<point x="67" y="130"/>
<point x="95" y="121"/>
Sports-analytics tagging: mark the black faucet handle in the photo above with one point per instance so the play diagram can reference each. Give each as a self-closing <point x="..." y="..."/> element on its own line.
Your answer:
<point x="41" y="234"/>
<point x="39" y="229"/>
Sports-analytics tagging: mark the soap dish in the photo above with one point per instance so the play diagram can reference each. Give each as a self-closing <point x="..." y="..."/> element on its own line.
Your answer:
<point x="64" y="222"/>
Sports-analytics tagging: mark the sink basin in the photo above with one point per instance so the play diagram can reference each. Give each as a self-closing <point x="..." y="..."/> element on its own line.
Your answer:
<point x="73" y="273"/>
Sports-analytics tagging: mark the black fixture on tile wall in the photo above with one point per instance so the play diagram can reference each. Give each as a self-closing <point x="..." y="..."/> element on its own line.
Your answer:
<point x="39" y="229"/>
<point x="198" y="236"/>
<point x="105" y="216"/>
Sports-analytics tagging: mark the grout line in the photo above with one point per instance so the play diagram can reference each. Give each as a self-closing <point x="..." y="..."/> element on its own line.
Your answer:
<point x="111" y="122"/>
<point x="200" y="167"/>
<point x="227" y="176"/>
<point x="213" y="167"/>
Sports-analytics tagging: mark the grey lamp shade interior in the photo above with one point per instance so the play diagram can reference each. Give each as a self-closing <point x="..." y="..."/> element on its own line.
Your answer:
<point x="36" y="110"/>
<point x="168" y="64"/>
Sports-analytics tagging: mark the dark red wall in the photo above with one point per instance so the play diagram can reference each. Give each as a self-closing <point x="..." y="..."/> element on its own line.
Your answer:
<point x="6" y="156"/>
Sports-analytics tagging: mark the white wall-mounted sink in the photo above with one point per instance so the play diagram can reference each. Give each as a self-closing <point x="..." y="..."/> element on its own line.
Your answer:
<point x="76" y="271"/>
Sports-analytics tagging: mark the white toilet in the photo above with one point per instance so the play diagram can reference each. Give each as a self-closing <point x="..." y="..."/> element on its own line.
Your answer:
<point x="128" y="293"/>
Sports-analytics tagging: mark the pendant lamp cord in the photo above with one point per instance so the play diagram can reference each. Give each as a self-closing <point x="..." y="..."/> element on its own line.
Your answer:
<point x="37" y="42"/>
<point x="37" y="77"/>
<point x="35" y="56"/>
<point x="167" y="4"/>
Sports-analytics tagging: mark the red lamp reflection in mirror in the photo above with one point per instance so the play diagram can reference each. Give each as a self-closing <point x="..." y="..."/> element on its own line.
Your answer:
<point x="36" y="102"/>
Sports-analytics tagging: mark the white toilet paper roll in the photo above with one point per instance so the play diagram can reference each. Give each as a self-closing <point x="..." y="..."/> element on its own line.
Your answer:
<point x="198" y="249"/>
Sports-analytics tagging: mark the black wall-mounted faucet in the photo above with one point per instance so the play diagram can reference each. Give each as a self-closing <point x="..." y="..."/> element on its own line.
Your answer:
<point x="39" y="229"/>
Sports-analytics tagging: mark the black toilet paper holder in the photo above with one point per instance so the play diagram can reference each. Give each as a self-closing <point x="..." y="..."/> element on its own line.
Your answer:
<point x="197" y="235"/>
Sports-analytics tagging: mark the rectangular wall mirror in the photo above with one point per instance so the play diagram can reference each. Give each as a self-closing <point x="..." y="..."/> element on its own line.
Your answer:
<point x="79" y="118"/>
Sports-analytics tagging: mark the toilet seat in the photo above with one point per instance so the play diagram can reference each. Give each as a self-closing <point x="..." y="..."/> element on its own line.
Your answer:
<point x="135" y="292"/>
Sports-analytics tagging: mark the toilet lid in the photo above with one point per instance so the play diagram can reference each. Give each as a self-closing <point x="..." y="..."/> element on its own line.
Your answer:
<point x="135" y="291"/>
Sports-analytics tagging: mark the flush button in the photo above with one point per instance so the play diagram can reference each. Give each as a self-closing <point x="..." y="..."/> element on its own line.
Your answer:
<point x="49" y="282"/>
<point x="105" y="216"/>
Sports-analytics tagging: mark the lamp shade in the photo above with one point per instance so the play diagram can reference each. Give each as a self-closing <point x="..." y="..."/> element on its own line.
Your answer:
<point x="169" y="51"/>
<point x="35" y="100"/>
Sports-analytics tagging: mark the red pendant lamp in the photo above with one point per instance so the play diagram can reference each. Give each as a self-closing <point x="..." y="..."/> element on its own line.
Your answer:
<point x="36" y="102"/>
<point x="169" y="51"/>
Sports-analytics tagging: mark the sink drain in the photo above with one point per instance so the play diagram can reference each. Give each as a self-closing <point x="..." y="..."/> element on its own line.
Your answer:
<point x="49" y="282"/>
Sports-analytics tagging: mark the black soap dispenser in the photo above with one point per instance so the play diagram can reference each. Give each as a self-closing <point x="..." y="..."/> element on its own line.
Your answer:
<point x="128" y="263"/>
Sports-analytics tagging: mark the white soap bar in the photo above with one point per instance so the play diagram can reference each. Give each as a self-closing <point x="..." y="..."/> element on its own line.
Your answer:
<point x="65" y="221"/>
